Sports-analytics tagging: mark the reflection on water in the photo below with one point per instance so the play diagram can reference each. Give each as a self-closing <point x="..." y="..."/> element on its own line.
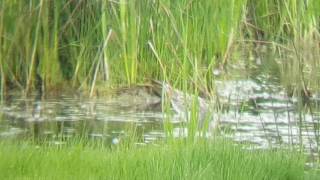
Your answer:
<point x="68" y="116"/>
<point x="256" y="109"/>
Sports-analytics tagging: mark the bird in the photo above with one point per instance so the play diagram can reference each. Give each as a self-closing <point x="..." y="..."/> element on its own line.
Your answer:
<point x="182" y="102"/>
<point x="157" y="94"/>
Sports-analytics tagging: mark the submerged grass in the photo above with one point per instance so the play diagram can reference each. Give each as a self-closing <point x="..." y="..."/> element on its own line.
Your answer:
<point x="199" y="160"/>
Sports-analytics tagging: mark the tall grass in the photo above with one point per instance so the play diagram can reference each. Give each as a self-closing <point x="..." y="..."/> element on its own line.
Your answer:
<point x="88" y="43"/>
<point x="122" y="42"/>
<point x="283" y="21"/>
<point x="201" y="160"/>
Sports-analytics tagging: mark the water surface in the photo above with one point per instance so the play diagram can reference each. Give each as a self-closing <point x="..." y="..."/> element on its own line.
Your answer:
<point x="255" y="108"/>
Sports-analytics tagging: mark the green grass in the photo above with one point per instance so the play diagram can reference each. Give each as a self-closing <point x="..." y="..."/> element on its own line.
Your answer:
<point x="199" y="160"/>
<point x="87" y="43"/>
<point x="110" y="43"/>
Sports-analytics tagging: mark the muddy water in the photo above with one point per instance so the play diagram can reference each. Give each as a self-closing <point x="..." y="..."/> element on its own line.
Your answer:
<point x="68" y="116"/>
<point x="255" y="108"/>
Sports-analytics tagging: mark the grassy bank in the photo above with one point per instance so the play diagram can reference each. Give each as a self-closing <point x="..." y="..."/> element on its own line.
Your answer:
<point x="201" y="160"/>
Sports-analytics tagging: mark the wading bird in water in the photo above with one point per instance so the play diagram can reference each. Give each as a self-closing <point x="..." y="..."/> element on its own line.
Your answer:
<point x="156" y="94"/>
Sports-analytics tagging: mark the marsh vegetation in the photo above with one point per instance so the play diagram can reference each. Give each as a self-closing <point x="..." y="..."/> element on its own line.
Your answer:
<point x="76" y="69"/>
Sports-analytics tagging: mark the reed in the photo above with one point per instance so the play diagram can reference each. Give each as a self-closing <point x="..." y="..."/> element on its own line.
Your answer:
<point x="126" y="42"/>
<point x="282" y="21"/>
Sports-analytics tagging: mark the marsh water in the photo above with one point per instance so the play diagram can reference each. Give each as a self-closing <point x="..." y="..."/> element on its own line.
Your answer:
<point x="256" y="109"/>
